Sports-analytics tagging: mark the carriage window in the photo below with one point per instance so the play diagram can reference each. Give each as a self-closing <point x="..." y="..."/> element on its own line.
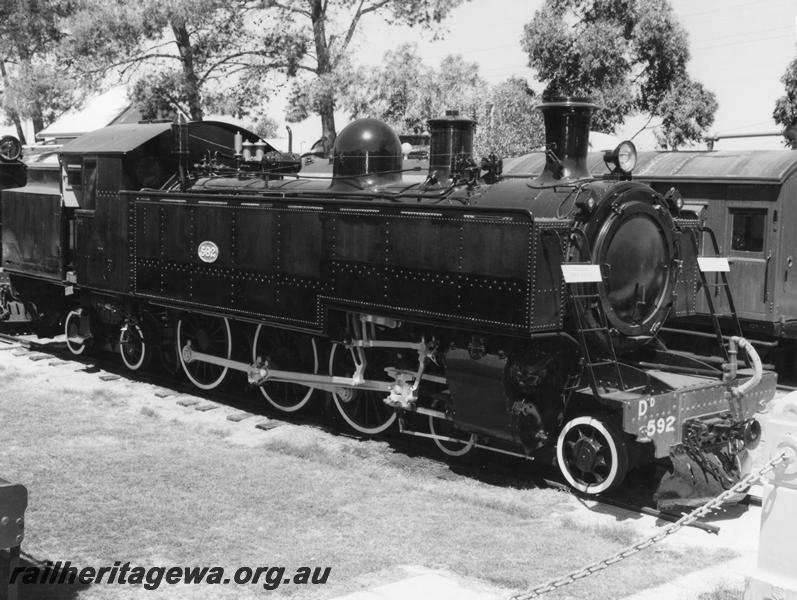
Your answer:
<point x="748" y="230"/>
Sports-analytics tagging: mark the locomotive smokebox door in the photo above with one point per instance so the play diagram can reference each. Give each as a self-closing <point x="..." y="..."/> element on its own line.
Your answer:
<point x="636" y="294"/>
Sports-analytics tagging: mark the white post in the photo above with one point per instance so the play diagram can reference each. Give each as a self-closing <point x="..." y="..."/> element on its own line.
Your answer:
<point x="775" y="576"/>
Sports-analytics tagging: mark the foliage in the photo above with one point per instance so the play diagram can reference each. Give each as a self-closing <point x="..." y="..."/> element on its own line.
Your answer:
<point x="35" y="84"/>
<point x="191" y="56"/>
<point x="263" y="125"/>
<point x="405" y="93"/>
<point x="458" y="85"/>
<point x="687" y="110"/>
<point x="785" y="112"/>
<point x="394" y="92"/>
<point x="628" y="55"/>
<point x="508" y="123"/>
<point x="722" y="592"/>
<point x="310" y="95"/>
<point x="330" y="26"/>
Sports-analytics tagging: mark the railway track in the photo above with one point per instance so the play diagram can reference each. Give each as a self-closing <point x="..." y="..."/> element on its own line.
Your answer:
<point x="634" y="496"/>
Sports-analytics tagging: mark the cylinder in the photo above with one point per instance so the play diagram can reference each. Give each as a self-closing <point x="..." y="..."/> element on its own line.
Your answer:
<point x="451" y="145"/>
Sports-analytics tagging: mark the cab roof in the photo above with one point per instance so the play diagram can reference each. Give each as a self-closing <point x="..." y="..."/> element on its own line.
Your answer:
<point x="115" y="139"/>
<point x="125" y="138"/>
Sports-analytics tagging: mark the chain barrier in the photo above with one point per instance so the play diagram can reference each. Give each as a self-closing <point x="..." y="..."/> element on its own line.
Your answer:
<point x="741" y="486"/>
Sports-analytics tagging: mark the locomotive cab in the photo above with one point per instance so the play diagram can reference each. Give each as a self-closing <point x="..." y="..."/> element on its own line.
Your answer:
<point x="98" y="165"/>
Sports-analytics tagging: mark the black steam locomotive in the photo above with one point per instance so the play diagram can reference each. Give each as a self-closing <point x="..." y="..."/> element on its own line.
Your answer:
<point x="516" y="315"/>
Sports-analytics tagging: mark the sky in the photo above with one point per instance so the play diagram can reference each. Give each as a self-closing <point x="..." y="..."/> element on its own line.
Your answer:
<point x="739" y="48"/>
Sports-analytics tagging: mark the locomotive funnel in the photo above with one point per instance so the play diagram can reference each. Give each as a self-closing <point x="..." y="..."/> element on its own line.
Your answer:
<point x="567" y="122"/>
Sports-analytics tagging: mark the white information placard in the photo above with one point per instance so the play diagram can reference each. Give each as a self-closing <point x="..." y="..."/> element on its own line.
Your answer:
<point x="581" y="273"/>
<point x="713" y="264"/>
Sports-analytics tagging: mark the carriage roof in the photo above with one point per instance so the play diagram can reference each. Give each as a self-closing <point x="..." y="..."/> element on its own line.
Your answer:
<point x="754" y="166"/>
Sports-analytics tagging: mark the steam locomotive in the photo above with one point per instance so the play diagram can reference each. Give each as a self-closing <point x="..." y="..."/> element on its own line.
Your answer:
<point x="516" y="315"/>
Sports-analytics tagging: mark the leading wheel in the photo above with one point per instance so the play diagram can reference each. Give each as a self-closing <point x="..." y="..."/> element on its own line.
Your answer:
<point x="592" y="455"/>
<point x="132" y="347"/>
<point x="285" y="351"/>
<point x="364" y="410"/>
<point x="74" y="342"/>
<point x="209" y="335"/>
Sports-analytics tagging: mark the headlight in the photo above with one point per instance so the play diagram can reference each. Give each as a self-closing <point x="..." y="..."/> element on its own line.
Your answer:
<point x="622" y="159"/>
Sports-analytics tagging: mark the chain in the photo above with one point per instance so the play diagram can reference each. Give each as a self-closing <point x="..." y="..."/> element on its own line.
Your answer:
<point x="742" y="485"/>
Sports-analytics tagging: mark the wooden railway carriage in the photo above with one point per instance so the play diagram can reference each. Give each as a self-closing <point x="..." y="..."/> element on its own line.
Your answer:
<point x="439" y="301"/>
<point x="747" y="199"/>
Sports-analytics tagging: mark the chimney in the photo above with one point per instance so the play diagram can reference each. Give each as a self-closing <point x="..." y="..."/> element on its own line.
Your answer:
<point x="567" y="121"/>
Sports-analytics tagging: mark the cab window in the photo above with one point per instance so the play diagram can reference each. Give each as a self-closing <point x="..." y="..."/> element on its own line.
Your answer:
<point x="89" y="183"/>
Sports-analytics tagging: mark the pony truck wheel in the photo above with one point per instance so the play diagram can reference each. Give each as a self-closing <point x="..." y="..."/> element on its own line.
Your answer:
<point x="592" y="455"/>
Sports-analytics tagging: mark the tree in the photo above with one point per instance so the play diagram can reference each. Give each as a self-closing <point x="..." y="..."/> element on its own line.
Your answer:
<point x="508" y="124"/>
<point x="628" y="55"/>
<point x="785" y="112"/>
<point x="687" y="110"/>
<point x="190" y="56"/>
<point x="394" y="92"/>
<point x="36" y="85"/>
<point x="331" y="25"/>
<point x="405" y="93"/>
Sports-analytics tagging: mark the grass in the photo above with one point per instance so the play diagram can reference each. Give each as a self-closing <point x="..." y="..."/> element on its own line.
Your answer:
<point x="113" y="476"/>
<point x="722" y="592"/>
<point x="614" y="532"/>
